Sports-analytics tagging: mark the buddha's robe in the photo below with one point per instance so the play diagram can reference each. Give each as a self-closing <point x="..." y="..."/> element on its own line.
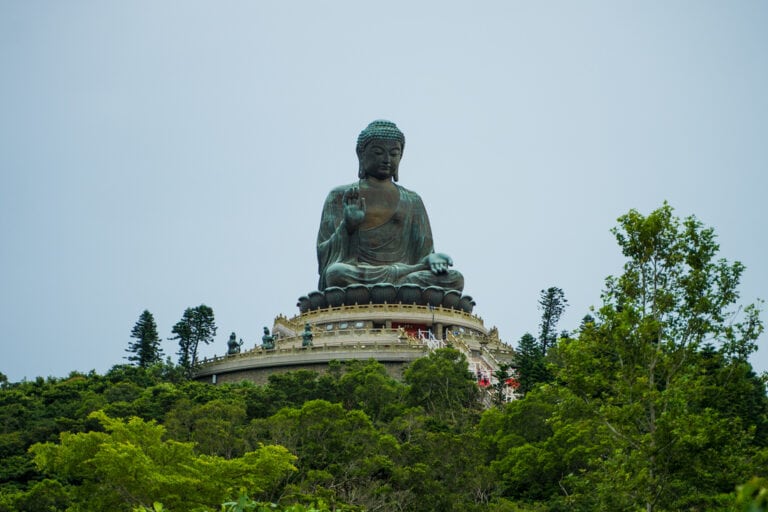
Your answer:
<point x="372" y="255"/>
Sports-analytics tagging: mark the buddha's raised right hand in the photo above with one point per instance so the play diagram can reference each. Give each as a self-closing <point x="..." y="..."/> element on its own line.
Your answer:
<point x="354" y="208"/>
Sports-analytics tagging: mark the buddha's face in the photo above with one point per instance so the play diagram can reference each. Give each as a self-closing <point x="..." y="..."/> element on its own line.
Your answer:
<point x="381" y="158"/>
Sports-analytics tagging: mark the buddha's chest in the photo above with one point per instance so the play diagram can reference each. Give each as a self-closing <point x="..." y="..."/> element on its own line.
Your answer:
<point x="380" y="206"/>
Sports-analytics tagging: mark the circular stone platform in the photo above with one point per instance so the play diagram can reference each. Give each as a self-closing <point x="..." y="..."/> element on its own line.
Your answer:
<point x="393" y="334"/>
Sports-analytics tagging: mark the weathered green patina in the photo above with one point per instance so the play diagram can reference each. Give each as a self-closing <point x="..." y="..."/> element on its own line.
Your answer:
<point x="375" y="231"/>
<point x="233" y="346"/>
<point x="268" y="340"/>
<point x="307" y="336"/>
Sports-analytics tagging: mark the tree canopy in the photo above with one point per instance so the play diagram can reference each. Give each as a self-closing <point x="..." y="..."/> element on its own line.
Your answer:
<point x="196" y="326"/>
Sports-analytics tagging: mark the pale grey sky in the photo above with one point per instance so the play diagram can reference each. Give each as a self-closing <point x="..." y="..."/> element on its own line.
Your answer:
<point x="159" y="155"/>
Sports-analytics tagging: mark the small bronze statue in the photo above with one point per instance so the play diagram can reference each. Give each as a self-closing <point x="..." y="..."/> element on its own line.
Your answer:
<point x="375" y="231"/>
<point x="233" y="347"/>
<point x="268" y="340"/>
<point x="306" y="336"/>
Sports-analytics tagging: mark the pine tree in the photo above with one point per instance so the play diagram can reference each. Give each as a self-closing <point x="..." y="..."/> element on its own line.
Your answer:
<point x="531" y="353"/>
<point x="552" y="302"/>
<point x="530" y="363"/>
<point x="196" y="326"/>
<point x="146" y="350"/>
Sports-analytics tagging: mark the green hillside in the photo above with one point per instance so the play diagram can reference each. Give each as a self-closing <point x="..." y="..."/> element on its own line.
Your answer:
<point x="651" y="404"/>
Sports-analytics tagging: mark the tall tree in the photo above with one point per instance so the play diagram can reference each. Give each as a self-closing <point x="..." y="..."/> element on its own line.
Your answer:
<point x="531" y="353"/>
<point x="640" y="370"/>
<point x="529" y="359"/>
<point x="196" y="326"/>
<point x="552" y="303"/>
<point x="145" y="350"/>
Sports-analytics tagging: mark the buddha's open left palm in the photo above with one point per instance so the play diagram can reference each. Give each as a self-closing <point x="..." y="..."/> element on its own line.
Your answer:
<point x="438" y="262"/>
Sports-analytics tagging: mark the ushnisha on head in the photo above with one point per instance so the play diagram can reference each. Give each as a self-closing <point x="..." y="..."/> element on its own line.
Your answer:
<point x="378" y="130"/>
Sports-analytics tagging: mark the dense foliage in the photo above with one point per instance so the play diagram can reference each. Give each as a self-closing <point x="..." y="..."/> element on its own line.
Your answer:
<point x="650" y="405"/>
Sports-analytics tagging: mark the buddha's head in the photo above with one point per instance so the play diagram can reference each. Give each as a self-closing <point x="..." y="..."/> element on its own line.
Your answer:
<point x="379" y="149"/>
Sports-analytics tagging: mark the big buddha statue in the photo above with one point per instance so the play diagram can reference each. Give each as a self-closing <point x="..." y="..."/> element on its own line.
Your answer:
<point x="376" y="231"/>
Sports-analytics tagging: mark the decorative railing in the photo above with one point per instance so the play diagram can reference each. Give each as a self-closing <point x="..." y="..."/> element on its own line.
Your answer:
<point x="364" y="339"/>
<point x="390" y="308"/>
<point x="487" y="354"/>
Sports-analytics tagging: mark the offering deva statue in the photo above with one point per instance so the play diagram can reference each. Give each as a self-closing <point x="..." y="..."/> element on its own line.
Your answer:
<point x="375" y="231"/>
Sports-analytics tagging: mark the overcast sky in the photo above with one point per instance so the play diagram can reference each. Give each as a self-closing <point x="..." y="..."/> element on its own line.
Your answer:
<point x="159" y="155"/>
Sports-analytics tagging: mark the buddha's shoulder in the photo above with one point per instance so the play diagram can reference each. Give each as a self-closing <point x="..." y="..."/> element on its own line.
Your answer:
<point x="407" y="193"/>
